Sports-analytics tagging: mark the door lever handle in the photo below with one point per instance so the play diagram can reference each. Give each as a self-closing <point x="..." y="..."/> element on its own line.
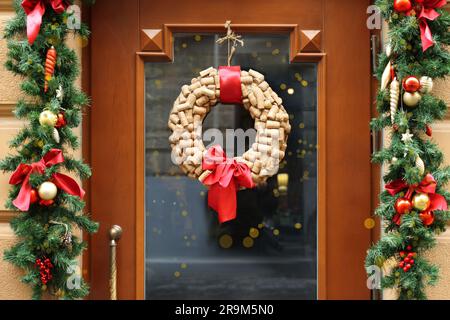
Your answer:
<point x="114" y="235"/>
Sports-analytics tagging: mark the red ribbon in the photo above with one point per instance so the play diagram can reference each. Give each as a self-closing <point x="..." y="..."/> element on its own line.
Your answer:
<point x="35" y="9"/>
<point x="230" y="84"/>
<point x="23" y="172"/>
<point x="226" y="178"/>
<point x="427" y="185"/>
<point x="428" y="13"/>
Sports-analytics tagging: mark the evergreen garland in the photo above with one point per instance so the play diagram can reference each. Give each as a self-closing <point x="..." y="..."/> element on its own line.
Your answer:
<point x="411" y="234"/>
<point x="42" y="230"/>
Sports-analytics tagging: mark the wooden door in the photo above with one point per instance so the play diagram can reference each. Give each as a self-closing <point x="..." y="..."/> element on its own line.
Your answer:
<point x="330" y="34"/>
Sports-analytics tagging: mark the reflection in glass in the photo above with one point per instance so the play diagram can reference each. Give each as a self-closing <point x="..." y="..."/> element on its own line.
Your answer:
<point x="269" y="251"/>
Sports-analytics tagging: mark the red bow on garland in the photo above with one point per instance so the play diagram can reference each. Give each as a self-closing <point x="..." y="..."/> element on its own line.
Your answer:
<point x="226" y="178"/>
<point x="23" y="172"/>
<point x="427" y="185"/>
<point x="428" y="13"/>
<point x="35" y="9"/>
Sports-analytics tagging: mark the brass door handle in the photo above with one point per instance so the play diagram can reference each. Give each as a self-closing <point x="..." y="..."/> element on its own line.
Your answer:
<point x="114" y="235"/>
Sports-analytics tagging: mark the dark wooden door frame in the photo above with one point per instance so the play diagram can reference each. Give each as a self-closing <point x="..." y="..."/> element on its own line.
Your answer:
<point x="116" y="82"/>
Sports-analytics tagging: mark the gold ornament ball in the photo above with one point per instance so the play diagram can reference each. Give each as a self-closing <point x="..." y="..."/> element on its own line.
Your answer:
<point x="412" y="99"/>
<point x="48" y="118"/>
<point x="421" y="201"/>
<point x="47" y="191"/>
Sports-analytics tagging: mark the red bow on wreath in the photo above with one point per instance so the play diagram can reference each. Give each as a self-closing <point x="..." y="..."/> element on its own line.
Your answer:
<point x="428" y="13"/>
<point x="427" y="185"/>
<point x="35" y="9"/>
<point x="227" y="176"/>
<point x="23" y="172"/>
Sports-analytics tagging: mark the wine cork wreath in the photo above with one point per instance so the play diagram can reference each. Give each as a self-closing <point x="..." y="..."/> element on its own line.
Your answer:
<point x="195" y="102"/>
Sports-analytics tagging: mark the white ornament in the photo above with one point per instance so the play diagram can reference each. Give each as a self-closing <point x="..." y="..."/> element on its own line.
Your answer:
<point x="420" y="165"/>
<point x="56" y="135"/>
<point x="60" y="93"/>
<point x="47" y="191"/>
<point x="48" y="118"/>
<point x="411" y="99"/>
<point x="394" y="160"/>
<point x="407" y="137"/>
<point x="386" y="77"/>
<point x="426" y="84"/>
<point x="394" y="92"/>
<point x="388" y="50"/>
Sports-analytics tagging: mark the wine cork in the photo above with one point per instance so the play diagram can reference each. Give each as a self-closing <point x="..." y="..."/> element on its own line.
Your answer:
<point x="183" y="119"/>
<point x="272" y="124"/>
<point x="246" y="103"/>
<point x="186" y="143"/>
<point x="263" y="117"/>
<point x="207" y="81"/>
<point x="207" y="92"/>
<point x="256" y="167"/>
<point x="181" y="98"/>
<point x="185" y="135"/>
<point x="244" y="73"/>
<point x="263" y="85"/>
<point x="217" y="81"/>
<point x="195" y="86"/>
<point x="259" y="96"/>
<point x="255" y="74"/>
<point x="199" y="110"/>
<point x="273" y="112"/>
<point x="247" y="80"/>
<point x="190" y="127"/>
<point x="267" y="104"/>
<point x="190" y="99"/>
<point x="174" y="118"/>
<point x="265" y="140"/>
<point x="183" y="107"/>
<point x="202" y="100"/>
<point x="277" y="99"/>
<point x="198" y="171"/>
<point x="252" y="99"/>
<point x="174" y="138"/>
<point x="204" y="175"/>
<point x="272" y="133"/>
<point x="185" y="90"/>
<point x="190" y="168"/>
<point x="244" y="90"/>
<point x="287" y="128"/>
<point x="254" y="112"/>
<point x="264" y="148"/>
<point x="190" y="151"/>
<point x="206" y="72"/>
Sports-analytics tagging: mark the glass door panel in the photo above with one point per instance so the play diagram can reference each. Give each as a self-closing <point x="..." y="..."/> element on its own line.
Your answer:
<point x="270" y="250"/>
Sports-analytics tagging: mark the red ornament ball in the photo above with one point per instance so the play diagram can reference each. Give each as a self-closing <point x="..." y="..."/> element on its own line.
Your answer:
<point x="427" y="218"/>
<point x="34" y="197"/>
<point x="402" y="5"/>
<point x="403" y="205"/>
<point x="61" y="122"/>
<point x="409" y="248"/>
<point x="411" y="84"/>
<point x="46" y="203"/>
<point x="429" y="131"/>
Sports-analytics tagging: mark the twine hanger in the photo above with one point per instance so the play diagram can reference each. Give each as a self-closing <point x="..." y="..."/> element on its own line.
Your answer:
<point x="232" y="39"/>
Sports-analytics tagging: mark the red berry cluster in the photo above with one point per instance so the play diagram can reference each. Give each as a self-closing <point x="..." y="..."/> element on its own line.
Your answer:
<point x="408" y="259"/>
<point x="45" y="269"/>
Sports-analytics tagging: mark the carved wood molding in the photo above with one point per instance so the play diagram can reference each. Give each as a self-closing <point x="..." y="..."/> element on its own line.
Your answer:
<point x="305" y="45"/>
<point x="6" y="5"/>
<point x="6" y="216"/>
<point x="6" y="110"/>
